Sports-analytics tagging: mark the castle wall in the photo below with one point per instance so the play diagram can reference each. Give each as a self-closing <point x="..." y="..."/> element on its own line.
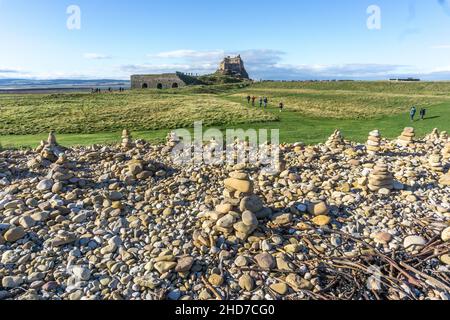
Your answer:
<point x="156" y="81"/>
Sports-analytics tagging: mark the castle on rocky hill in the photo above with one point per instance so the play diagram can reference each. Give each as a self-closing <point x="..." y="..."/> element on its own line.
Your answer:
<point x="233" y="67"/>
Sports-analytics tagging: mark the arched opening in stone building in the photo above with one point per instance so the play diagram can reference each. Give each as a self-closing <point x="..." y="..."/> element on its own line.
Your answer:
<point x="159" y="86"/>
<point x="175" y="85"/>
<point x="144" y="86"/>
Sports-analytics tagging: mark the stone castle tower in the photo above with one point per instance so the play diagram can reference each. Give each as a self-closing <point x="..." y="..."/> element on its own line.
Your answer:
<point x="233" y="67"/>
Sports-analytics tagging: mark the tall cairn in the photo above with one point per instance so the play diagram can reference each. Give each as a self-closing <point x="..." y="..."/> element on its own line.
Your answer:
<point x="374" y="142"/>
<point x="381" y="178"/>
<point x="435" y="162"/>
<point x="127" y="142"/>
<point x="335" y="141"/>
<point x="406" y="139"/>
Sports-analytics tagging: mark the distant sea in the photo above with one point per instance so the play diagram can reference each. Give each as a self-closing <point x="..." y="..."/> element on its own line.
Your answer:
<point x="60" y="85"/>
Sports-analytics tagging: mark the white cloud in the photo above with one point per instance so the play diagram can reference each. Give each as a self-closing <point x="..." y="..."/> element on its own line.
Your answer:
<point x="188" y="54"/>
<point x="260" y="63"/>
<point x="442" y="46"/>
<point x="8" y="71"/>
<point x="96" y="56"/>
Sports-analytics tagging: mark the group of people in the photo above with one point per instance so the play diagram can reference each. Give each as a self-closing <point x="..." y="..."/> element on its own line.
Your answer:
<point x="98" y="90"/>
<point x="413" y="113"/>
<point x="263" y="102"/>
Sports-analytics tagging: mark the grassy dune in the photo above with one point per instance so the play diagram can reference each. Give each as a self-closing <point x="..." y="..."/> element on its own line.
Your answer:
<point x="310" y="100"/>
<point x="313" y="111"/>
<point x="385" y="87"/>
<point x="87" y="113"/>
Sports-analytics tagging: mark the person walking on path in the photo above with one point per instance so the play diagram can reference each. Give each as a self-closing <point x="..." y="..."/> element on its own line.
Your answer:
<point x="412" y="113"/>
<point x="253" y="100"/>
<point x="281" y="106"/>
<point x="260" y="102"/>
<point x="266" y="101"/>
<point x="423" y="112"/>
<point x="248" y="99"/>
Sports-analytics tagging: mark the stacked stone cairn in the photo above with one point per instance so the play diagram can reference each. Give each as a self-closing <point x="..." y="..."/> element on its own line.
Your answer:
<point x="240" y="211"/>
<point x="172" y="140"/>
<point x="374" y="142"/>
<point x="127" y="140"/>
<point x="406" y="139"/>
<point x="48" y="152"/>
<point x="336" y="141"/>
<point x="435" y="162"/>
<point x="381" y="178"/>
<point x="319" y="209"/>
<point x="433" y="136"/>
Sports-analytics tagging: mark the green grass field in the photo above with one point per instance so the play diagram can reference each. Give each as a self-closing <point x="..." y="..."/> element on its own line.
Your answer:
<point x="313" y="111"/>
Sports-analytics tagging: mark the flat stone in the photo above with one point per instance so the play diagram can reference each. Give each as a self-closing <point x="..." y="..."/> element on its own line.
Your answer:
<point x="282" y="219"/>
<point x="14" y="234"/>
<point x="321" y="220"/>
<point x="318" y="208"/>
<point x="27" y="222"/>
<point x="249" y="219"/>
<point x="45" y="185"/>
<point x="242" y="186"/>
<point x="115" y="196"/>
<point x="226" y="221"/>
<point x="239" y="175"/>
<point x="11" y="282"/>
<point x="298" y="283"/>
<point x="280" y="288"/>
<point x="241" y="261"/>
<point x="184" y="264"/>
<point x="445" y="259"/>
<point x="251" y="203"/>
<point x="383" y="237"/>
<point x="224" y="208"/>
<point x="165" y="266"/>
<point x="265" y="260"/>
<point x="413" y="243"/>
<point x="445" y="235"/>
<point x="216" y="280"/>
<point x="246" y="282"/>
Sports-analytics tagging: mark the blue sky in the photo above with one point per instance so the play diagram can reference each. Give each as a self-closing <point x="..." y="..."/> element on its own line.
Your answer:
<point x="282" y="39"/>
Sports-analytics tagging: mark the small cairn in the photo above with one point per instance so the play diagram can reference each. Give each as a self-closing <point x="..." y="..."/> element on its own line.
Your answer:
<point x="435" y="162"/>
<point x="319" y="210"/>
<point x="381" y="178"/>
<point x="374" y="142"/>
<point x="172" y="140"/>
<point x="433" y="136"/>
<point x="336" y="141"/>
<point x="48" y="152"/>
<point x="238" y="214"/>
<point x="127" y="142"/>
<point x="407" y="137"/>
